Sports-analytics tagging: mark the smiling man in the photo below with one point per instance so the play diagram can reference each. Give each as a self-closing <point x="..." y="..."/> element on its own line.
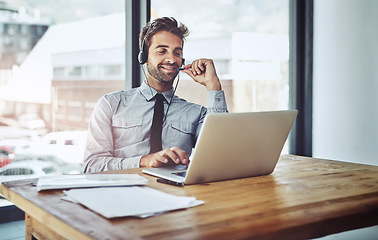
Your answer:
<point x="149" y="126"/>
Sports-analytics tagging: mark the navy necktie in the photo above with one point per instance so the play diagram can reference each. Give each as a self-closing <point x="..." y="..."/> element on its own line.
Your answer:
<point x="157" y="122"/>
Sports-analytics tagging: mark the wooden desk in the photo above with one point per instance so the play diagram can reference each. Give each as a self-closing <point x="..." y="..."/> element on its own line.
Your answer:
<point x="304" y="198"/>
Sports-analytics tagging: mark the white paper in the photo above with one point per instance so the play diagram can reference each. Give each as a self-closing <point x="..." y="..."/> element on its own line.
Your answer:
<point x="130" y="201"/>
<point x="88" y="180"/>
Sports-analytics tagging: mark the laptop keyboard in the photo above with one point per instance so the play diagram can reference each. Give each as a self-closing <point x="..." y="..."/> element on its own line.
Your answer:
<point x="181" y="174"/>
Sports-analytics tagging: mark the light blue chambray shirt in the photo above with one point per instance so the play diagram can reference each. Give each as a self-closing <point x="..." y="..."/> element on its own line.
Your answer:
<point x="119" y="130"/>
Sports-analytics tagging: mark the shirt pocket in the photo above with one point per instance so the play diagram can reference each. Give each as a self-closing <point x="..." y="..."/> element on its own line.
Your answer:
<point x="127" y="131"/>
<point x="182" y="135"/>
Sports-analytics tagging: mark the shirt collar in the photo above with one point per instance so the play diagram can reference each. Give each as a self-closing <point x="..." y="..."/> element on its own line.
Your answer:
<point x="146" y="90"/>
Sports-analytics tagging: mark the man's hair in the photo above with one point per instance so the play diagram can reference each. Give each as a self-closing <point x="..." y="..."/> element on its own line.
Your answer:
<point x="168" y="24"/>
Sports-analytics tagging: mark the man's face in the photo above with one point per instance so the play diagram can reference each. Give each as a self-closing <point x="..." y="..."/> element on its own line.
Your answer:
<point x="164" y="58"/>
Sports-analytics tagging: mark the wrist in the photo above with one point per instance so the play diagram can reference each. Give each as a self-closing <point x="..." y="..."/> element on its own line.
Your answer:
<point x="214" y="85"/>
<point x="143" y="160"/>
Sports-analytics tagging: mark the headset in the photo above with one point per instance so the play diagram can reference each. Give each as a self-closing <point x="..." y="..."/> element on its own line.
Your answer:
<point x="143" y="54"/>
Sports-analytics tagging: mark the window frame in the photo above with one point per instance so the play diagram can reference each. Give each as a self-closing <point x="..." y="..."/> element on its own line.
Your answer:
<point x="138" y="13"/>
<point x="300" y="74"/>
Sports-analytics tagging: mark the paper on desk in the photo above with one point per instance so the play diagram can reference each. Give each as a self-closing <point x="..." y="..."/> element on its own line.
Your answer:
<point x="88" y="180"/>
<point x="134" y="201"/>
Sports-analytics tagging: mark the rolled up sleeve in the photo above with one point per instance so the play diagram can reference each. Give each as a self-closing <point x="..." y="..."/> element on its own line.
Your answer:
<point x="216" y="102"/>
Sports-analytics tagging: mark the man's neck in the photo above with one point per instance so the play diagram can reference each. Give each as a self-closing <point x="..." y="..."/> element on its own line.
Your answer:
<point x="159" y="86"/>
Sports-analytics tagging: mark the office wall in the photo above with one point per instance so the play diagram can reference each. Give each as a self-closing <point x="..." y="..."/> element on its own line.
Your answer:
<point x="345" y="78"/>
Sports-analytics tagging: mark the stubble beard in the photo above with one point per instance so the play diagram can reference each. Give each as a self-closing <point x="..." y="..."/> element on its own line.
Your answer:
<point x="160" y="76"/>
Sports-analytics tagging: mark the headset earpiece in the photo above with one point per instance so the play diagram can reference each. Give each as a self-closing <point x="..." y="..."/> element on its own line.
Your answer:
<point x="142" y="57"/>
<point x="183" y="62"/>
<point x="143" y="54"/>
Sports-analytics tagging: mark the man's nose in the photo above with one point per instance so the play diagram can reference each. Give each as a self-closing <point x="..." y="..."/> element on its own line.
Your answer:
<point x="170" y="58"/>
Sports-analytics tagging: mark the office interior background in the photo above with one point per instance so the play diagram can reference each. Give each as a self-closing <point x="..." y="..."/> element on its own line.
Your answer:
<point x="57" y="58"/>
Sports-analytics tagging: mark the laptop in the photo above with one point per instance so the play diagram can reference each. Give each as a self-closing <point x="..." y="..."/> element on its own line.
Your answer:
<point x="232" y="146"/>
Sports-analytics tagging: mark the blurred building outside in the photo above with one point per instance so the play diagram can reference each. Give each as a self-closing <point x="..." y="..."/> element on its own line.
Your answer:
<point x="19" y="33"/>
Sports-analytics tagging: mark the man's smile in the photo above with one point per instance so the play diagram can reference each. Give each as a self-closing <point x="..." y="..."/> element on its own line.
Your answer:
<point x="170" y="68"/>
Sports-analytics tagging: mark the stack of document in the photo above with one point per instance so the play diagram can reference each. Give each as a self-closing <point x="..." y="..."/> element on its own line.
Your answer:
<point x="135" y="201"/>
<point x="47" y="182"/>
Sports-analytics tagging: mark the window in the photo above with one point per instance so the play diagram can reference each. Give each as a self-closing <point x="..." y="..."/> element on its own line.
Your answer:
<point x="112" y="70"/>
<point x="59" y="72"/>
<point x="74" y="71"/>
<point x="61" y="111"/>
<point x="248" y="41"/>
<point x="91" y="72"/>
<point x="88" y="110"/>
<point x="79" y="58"/>
<point x="48" y="170"/>
<point x="74" y="111"/>
<point x="70" y="142"/>
<point x="24" y="29"/>
<point x="17" y="171"/>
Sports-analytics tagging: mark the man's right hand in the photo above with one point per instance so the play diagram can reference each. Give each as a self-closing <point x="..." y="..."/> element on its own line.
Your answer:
<point x="174" y="154"/>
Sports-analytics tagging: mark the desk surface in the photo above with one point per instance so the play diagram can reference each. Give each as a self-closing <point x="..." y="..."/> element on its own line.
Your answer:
<point x="303" y="198"/>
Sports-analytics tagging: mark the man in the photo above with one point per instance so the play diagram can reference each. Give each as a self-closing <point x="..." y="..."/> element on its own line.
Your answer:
<point x="120" y="134"/>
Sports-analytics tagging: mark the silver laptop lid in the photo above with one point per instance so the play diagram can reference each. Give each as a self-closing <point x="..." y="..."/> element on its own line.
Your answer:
<point x="237" y="145"/>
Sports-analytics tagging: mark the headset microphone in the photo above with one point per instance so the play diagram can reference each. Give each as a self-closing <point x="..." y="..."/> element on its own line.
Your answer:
<point x="182" y="64"/>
